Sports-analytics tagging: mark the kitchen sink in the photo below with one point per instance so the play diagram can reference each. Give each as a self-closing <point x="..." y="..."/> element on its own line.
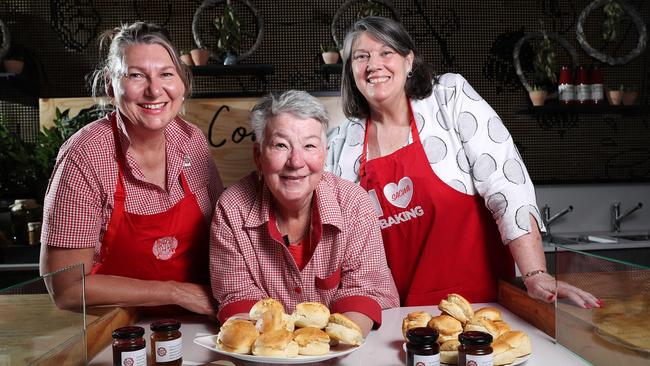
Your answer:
<point x="600" y="238"/>
<point x="587" y="239"/>
<point x="633" y="237"/>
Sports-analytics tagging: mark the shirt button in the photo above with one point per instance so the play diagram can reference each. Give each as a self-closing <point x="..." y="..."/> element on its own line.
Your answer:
<point x="297" y="290"/>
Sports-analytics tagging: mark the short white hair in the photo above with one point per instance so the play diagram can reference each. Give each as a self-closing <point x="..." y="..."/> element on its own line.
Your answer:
<point x="297" y="103"/>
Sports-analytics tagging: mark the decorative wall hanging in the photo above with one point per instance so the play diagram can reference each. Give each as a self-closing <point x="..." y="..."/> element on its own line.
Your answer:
<point x="5" y="39"/>
<point x="499" y="68"/>
<point x="76" y="22"/>
<point x="212" y="31"/>
<point x="351" y="10"/>
<point x="533" y="35"/>
<point x="608" y="59"/>
<point x="446" y="22"/>
<point x="141" y="8"/>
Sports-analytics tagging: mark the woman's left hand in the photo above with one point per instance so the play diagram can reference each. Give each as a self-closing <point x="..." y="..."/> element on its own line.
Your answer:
<point x="543" y="287"/>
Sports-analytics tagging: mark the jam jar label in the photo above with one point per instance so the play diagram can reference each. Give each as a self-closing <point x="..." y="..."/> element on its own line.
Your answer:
<point x="475" y="360"/>
<point x="167" y="351"/>
<point x="432" y="360"/>
<point x="134" y="358"/>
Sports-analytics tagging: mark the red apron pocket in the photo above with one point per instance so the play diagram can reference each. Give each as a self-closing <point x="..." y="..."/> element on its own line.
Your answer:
<point x="330" y="282"/>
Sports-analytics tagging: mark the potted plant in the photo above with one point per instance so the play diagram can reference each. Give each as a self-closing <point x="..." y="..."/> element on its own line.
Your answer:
<point x="14" y="61"/>
<point x="186" y="58"/>
<point x="330" y="54"/>
<point x="228" y="29"/>
<point x="200" y="56"/>
<point x="630" y="94"/>
<point x="537" y="95"/>
<point x="615" y="96"/>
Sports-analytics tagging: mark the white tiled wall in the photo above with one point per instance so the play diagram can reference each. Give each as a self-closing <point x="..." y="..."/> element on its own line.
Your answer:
<point x="592" y="205"/>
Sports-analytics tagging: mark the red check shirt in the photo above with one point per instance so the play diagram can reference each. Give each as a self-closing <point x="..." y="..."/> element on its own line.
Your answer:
<point x="347" y="271"/>
<point x="79" y="199"/>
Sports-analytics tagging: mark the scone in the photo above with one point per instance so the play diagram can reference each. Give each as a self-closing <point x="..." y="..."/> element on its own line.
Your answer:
<point x="344" y="330"/>
<point x="273" y="319"/>
<point x="237" y="336"/>
<point x="482" y="325"/>
<point x="262" y="306"/>
<point x="502" y="353"/>
<point x="311" y="341"/>
<point x="502" y="327"/>
<point x="447" y="326"/>
<point x="449" y="352"/>
<point x="277" y="343"/>
<point x="311" y="314"/>
<point x="458" y="307"/>
<point x="415" y="319"/>
<point x="489" y="312"/>
<point x="518" y="341"/>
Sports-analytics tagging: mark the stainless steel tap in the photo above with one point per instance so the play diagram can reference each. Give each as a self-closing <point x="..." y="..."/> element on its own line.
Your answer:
<point x="548" y="219"/>
<point x="617" y="217"/>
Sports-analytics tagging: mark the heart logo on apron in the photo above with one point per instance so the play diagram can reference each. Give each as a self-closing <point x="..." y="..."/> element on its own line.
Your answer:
<point x="164" y="248"/>
<point x="399" y="195"/>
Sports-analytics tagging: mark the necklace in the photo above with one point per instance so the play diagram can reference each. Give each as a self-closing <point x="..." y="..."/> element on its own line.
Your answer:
<point x="298" y="240"/>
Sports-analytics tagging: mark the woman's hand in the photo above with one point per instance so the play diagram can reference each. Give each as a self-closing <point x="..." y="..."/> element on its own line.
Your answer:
<point x="195" y="298"/>
<point x="542" y="286"/>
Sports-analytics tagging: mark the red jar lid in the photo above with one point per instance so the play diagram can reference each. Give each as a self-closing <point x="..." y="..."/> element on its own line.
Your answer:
<point x="422" y="335"/>
<point x="475" y="338"/>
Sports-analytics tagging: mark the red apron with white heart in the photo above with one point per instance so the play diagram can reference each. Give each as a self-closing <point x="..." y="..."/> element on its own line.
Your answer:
<point x="167" y="246"/>
<point x="437" y="240"/>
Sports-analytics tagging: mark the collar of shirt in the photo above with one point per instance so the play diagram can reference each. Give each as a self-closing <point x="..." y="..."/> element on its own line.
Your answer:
<point x="177" y="136"/>
<point x="325" y="201"/>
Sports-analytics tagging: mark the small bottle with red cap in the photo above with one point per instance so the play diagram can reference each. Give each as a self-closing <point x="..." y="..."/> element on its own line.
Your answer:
<point x="583" y="87"/>
<point x="566" y="89"/>
<point x="597" y="90"/>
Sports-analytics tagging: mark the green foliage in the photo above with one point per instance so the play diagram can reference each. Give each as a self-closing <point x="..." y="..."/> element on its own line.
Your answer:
<point x="369" y="8"/>
<point x="228" y="30"/>
<point x="28" y="166"/>
<point x="329" y="49"/>
<point x="544" y="62"/>
<point x="613" y="15"/>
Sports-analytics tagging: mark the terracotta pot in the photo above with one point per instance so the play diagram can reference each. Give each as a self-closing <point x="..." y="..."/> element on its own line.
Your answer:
<point x="629" y="97"/>
<point x="13" y="66"/>
<point x="187" y="59"/>
<point x="614" y="97"/>
<point x="330" y="57"/>
<point x="200" y="56"/>
<point x="537" y="97"/>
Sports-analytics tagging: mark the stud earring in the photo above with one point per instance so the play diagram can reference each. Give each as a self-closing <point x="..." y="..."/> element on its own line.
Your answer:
<point x="409" y="74"/>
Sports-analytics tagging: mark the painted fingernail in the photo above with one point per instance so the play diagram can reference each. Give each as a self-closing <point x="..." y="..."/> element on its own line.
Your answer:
<point x="550" y="297"/>
<point x="599" y="302"/>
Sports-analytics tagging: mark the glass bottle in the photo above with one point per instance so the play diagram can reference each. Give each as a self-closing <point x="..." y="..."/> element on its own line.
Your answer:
<point x="583" y="88"/>
<point x="129" y="347"/>
<point x="22" y="212"/>
<point x="166" y="343"/>
<point x="475" y="349"/>
<point x="566" y="87"/>
<point x="422" y="348"/>
<point x="597" y="91"/>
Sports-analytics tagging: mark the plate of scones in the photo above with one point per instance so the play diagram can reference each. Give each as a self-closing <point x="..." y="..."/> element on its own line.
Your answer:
<point x="510" y="347"/>
<point x="310" y="334"/>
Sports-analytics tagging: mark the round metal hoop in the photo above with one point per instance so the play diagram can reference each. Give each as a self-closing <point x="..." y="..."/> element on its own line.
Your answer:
<point x="5" y="39"/>
<point x="211" y="3"/>
<point x="638" y="22"/>
<point x="531" y="35"/>
<point x="346" y="5"/>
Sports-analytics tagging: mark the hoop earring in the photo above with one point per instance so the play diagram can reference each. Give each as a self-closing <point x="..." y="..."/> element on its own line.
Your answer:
<point x="409" y="74"/>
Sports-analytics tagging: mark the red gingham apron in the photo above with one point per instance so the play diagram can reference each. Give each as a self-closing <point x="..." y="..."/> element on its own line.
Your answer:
<point x="437" y="240"/>
<point x="167" y="246"/>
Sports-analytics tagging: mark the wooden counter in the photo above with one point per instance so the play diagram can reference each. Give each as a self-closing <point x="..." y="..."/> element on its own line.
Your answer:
<point x="33" y="331"/>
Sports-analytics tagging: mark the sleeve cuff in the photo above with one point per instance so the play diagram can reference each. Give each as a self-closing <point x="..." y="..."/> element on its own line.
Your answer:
<point x="361" y="304"/>
<point x="242" y="306"/>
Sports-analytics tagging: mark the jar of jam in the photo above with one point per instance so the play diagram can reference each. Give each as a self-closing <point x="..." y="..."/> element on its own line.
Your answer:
<point x="129" y="347"/>
<point x="475" y="349"/>
<point x="166" y="343"/>
<point x="422" y="347"/>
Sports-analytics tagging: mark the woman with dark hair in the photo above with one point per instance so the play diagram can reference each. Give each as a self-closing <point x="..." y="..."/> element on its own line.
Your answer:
<point x="132" y="194"/>
<point x="446" y="180"/>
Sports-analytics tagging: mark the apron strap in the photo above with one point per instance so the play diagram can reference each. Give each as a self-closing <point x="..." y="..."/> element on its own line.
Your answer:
<point x="364" y="154"/>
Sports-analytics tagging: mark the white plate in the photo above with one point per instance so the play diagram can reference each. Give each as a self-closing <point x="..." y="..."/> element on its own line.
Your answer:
<point x="338" y="351"/>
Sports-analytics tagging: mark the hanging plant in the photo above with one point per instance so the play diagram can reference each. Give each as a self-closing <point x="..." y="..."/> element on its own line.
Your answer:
<point x="228" y="29"/>
<point x="614" y="14"/>
<point x="369" y="8"/>
<point x="544" y="62"/>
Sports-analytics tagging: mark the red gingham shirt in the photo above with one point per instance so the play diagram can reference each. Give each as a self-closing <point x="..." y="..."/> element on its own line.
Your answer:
<point x="347" y="271"/>
<point x="79" y="200"/>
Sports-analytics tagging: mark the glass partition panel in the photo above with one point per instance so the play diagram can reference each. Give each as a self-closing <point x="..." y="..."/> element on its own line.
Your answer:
<point x="618" y="333"/>
<point x="34" y="331"/>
